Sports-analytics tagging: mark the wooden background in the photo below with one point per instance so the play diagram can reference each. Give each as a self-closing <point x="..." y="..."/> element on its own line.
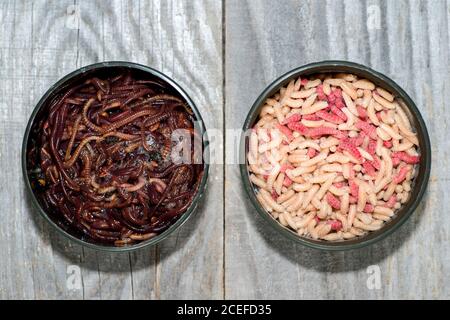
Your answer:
<point x="223" y="54"/>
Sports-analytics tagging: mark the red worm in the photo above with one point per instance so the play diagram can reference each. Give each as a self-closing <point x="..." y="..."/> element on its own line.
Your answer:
<point x="333" y="201"/>
<point x="403" y="156"/>
<point x="293" y="118"/>
<point x="367" y="128"/>
<point x="330" y="117"/>
<point x="346" y="145"/>
<point x="98" y="173"/>
<point x="401" y="176"/>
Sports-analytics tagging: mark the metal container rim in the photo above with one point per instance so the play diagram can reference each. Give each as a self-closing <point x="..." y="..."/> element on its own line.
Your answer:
<point x="424" y="141"/>
<point x="59" y="85"/>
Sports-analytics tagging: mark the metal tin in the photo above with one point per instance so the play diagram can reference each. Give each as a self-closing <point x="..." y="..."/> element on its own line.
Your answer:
<point x="76" y="76"/>
<point x="420" y="182"/>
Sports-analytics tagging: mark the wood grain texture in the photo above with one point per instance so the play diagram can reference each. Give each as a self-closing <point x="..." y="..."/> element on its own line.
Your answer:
<point x="411" y="45"/>
<point x="40" y="41"/>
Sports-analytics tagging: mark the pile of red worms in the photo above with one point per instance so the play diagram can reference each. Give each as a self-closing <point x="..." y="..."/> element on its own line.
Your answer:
<point x="100" y="160"/>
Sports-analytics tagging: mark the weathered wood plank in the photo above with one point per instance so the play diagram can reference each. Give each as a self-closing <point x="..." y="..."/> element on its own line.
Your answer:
<point x="410" y="44"/>
<point x="40" y="42"/>
<point x="190" y="262"/>
<point x="38" y="258"/>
